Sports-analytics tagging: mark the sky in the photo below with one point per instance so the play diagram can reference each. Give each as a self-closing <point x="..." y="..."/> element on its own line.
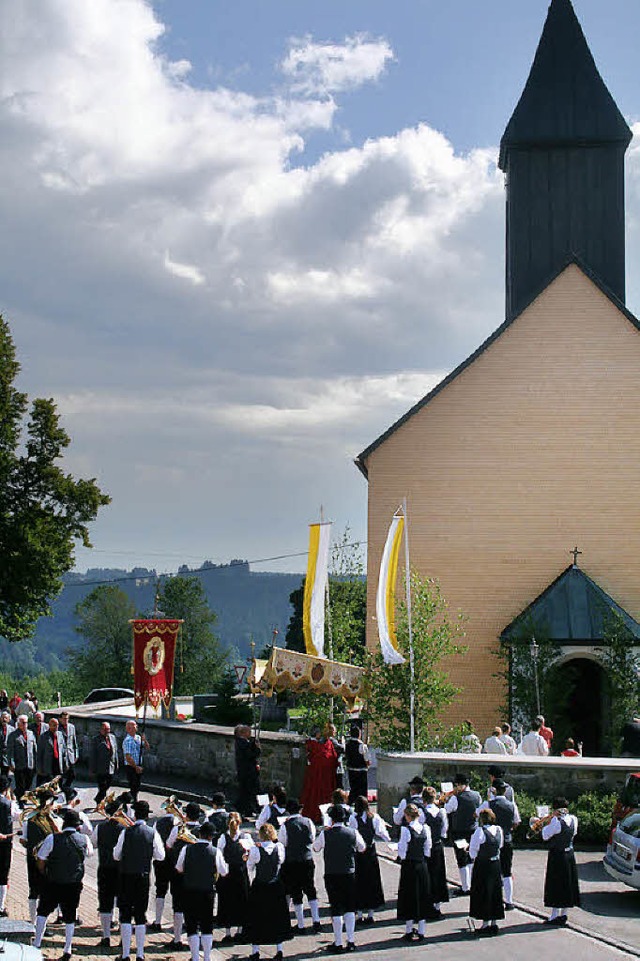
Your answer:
<point x="241" y="238"/>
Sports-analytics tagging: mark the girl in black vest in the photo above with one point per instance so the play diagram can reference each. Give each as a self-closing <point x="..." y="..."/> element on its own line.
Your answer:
<point x="415" y="902"/>
<point x="486" y="880"/>
<point x="369" y="892"/>
<point x="561" y="890"/>
<point x="436" y="818"/>
<point x="233" y="890"/>
<point x="275" y="810"/>
<point x="268" y="921"/>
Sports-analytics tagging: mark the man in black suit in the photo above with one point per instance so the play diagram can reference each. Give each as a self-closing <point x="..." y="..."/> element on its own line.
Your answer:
<point x="52" y="753"/>
<point x="103" y="763"/>
<point x="68" y="731"/>
<point x="38" y="725"/>
<point x="22" y="753"/>
<point x="5" y="731"/>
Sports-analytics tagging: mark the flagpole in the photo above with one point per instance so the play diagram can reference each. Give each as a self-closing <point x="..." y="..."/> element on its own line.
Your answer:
<point x="407" y="571"/>
<point x="328" y="619"/>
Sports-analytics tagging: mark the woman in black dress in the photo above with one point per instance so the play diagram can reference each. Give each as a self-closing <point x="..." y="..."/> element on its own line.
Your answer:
<point x="269" y="921"/>
<point x="436" y="818"/>
<point x="415" y="901"/>
<point x="561" y="890"/>
<point x="486" y="903"/>
<point x="233" y="890"/>
<point x="369" y="893"/>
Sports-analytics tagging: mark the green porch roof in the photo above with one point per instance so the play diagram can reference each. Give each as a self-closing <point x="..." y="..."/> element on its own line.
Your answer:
<point x="572" y="609"/>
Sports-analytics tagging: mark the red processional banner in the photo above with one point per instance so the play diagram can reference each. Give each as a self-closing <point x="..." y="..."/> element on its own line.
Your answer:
<point x="154" y="650"/>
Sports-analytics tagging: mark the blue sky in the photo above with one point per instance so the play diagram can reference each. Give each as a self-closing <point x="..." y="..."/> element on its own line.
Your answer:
<point x="242" y="238"/>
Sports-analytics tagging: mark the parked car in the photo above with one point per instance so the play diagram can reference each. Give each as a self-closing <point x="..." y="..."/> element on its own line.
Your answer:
<point x="628" y="801"/>
<point x="622" y="860"/>
<point x="107" y="694"/>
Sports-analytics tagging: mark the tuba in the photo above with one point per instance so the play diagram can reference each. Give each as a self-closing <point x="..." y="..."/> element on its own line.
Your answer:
<point x="172" y="806"/>
<point x="185" y="835"/>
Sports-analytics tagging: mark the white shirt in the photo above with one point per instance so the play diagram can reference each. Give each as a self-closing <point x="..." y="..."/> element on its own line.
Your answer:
<point x="379" y="826"/>
<point x="485" y="806"/>
<point x="554" y="826"/>
<point x="318" y="844"/>
<point x="173" y="836"/>
<point x="158" y="846"/>
<point x="244" y="839"/>
<point x="221" y="865"/>
<point x="405" y="837"/>
<point x="436" y="812"/>
<point x="265" y="814"/>
<point x="509" y="743"/>
<point x="282" y="833"/>
<point x="471" y="744"/>
<point x="494" y="745"/>
<point x="254" y="853"/>
<point x="398" y="815"/>
<point x="534" y="744"/>
<point x="47" y="846"/>
<point x="478" y="838"/>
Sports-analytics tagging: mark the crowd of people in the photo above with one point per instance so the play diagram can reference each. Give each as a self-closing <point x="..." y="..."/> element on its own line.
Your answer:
<point x="537" y="742"/>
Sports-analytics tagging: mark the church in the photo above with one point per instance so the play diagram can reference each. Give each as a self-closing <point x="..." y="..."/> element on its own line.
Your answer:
<point x="531" y="446"/>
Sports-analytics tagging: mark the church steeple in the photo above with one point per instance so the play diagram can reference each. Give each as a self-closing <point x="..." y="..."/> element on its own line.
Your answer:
<point x="563" y="154"/>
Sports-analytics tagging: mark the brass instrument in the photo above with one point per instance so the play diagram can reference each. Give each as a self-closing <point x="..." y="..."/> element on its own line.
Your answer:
<point x="536" y="824"/>
<point x="172" y="806"/>
<point x="185" y="835"/>
<point x="119" y="815"/>
<point x="101" y="806"/>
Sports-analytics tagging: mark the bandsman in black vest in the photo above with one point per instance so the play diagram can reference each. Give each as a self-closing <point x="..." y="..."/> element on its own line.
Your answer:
<point x="200" y="864"/>
<point x="496" y="773"/>
<point x="218" y="816"/>
<point x="104" y="839"/>
<point x="297" y="835"/>
<point x="135" y="849"/>
<point x="22" y="755"/>
<point x="268" y="921"/>
<point x="340" y="844"/>
<point x="507" y="818"/>
<point x="193" y="812"/>
<point x="62" y="857"/>
<point x="162" y="870"/>
<point x="415" y="900"/>
<point x="369" y="892"/>
<point x="416" y="785"/>
<point x="34" y="831"/>
<point x="8" y="811"/>
<point x="233" y="888"/>
<point x="561" y="890"/>
<point x="485" y="903"/>
<point x="461" y="810"/>
<point x="273" y="812"/>
<point x="435" y="817"/>
<point x="356" y="759"/>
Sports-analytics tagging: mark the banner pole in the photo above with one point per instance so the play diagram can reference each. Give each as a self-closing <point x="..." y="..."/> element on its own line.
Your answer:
<point x="412" y="694"/>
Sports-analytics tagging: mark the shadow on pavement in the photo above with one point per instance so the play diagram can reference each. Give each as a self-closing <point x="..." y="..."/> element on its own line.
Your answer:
<point x="614" y="904"/>
<point x="592" y="871"/>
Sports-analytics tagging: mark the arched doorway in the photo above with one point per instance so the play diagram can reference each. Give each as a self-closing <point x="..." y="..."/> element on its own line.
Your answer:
<point x="582" y="716"/>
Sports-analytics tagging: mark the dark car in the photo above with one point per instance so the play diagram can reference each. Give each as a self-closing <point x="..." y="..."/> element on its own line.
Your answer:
<point x="107" y="694"/>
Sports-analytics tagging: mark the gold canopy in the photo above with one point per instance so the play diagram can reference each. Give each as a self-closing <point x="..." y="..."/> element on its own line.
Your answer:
<point x="291" y="671"/>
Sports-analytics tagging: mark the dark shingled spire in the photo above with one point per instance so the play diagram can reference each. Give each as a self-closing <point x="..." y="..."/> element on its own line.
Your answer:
<point x="563" y="153"/>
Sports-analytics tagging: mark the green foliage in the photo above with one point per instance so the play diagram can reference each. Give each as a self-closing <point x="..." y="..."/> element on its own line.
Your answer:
<point x="227" y="710"/>
<point x="622" y="677"/>
<point x="592" y="809"/>
<point x="200" y="660"/>
<point x="436" y="638"/>
<point x="104" y="660"/>
<point x="42" y="509"/>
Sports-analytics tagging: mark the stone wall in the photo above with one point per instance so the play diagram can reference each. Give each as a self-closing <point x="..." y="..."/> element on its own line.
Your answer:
<point x="201" y="755"/>
<point x="542" y="777"/>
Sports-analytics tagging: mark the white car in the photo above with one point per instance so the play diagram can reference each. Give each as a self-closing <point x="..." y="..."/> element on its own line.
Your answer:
<point x="622" y="860"/>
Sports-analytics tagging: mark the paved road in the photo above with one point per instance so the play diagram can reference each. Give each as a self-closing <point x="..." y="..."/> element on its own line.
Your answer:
<point x="610" y="911"/>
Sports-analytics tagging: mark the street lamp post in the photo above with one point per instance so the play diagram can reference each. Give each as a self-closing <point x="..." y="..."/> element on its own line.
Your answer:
<point x="535" y="653"/>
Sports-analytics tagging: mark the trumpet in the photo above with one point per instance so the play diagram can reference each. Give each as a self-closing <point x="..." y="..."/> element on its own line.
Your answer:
<point x="536" y="824"/>
<point x="172" y="806"/>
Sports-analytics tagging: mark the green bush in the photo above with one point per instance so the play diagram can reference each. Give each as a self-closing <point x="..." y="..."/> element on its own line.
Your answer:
<point x="593" y="811"/>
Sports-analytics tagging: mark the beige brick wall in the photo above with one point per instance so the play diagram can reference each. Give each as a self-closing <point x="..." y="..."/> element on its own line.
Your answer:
<point x="533" y="448"/>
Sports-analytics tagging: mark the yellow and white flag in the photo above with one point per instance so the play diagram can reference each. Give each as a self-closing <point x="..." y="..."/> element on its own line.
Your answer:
<point x="315" y="587"/>
<point x="386" y="600"/>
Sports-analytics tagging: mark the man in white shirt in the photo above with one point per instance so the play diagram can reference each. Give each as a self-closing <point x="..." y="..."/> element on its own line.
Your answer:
<point x="493" y="744"/>
<point x="533" y="743"/>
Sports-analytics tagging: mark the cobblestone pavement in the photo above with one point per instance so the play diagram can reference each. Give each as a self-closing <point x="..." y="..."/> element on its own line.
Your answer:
<point x="611" y="911"/>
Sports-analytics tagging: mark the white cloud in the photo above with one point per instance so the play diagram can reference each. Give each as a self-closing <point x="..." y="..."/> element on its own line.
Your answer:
<point x="184" y="271"/>
<point x="327" y="68"/>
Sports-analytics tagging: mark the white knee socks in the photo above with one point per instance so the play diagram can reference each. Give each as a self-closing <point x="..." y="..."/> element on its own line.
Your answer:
<point x="3" y="896"/>
<point x="298" y="908"/>
<point x="207" y="944"/>
<point x="337" y="929"/>
<point x="408" y="927"/>
<point x="315" y="911"/>
<point x="125" y="934"/>
<point x="465" y="877"/>
<point x="105" y="922"/>
<point x="33" y="905"/>
<point x="41" y="924"/>
<point x="141" y="930"/>
<point x="159" y="910"/>
<point x="178" y="921"/>
<point x="350" y="925"/>
<point x="194" y="944"/>
<point x="507" y="886"/>
<point x="422" y="926"/>
<point x="68" y="937"/>
<point x="554" y="913"/>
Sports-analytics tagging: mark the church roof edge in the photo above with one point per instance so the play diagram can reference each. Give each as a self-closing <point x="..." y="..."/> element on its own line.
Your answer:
<point x="360" y="460"/>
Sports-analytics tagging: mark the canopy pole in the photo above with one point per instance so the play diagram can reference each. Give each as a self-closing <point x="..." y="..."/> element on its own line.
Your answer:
<point x="412" y="693"/>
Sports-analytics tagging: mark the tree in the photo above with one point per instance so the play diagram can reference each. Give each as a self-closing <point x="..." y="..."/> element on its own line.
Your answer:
<point x="622" y="673"/>
<point x="106" y="657"/>
<point x="42" y="509"/>
<point x="435" y="637"/>
<point x="200" y="660"/>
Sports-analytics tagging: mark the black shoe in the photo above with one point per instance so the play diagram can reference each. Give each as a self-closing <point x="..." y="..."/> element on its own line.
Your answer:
<point x="484" y="932"/>
<point x="350" y="946"/>
<point x="317" y="927"/>
<point x="104" y="943"/>
<point x="407" y="936"/>
<point x="279" y="956"/>
<point x="4" y="913"/>
<point x="421" y="937"/>
<point x="227" y="939"/>
<point x="254" y="957"/>
<point x="558" y="922"/>
<point x="65" y="957"/>
<point x="177" y="946"/>
<point x="508" y="906"/>
<point x="494" y="929"/>
<point x="331" y="949"/>
<point x="156" y="926"/>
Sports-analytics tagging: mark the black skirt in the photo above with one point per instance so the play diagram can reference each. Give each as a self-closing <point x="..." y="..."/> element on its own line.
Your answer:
<point x="268" y="921"/>
<point x="485" y="903"/>
<point x="415" y="901"/>
<point x="369" y="893"/>
<point x="233" y="897"/>
<point x="438" y="874"/>
<point x="561" y="888"/>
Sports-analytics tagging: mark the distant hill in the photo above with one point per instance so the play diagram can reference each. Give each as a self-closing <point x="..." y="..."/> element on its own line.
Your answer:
<point x="248" y="605"/>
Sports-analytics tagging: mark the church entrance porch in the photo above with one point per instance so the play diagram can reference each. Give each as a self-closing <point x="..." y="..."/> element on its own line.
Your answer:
<point x="582" y="714"/>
